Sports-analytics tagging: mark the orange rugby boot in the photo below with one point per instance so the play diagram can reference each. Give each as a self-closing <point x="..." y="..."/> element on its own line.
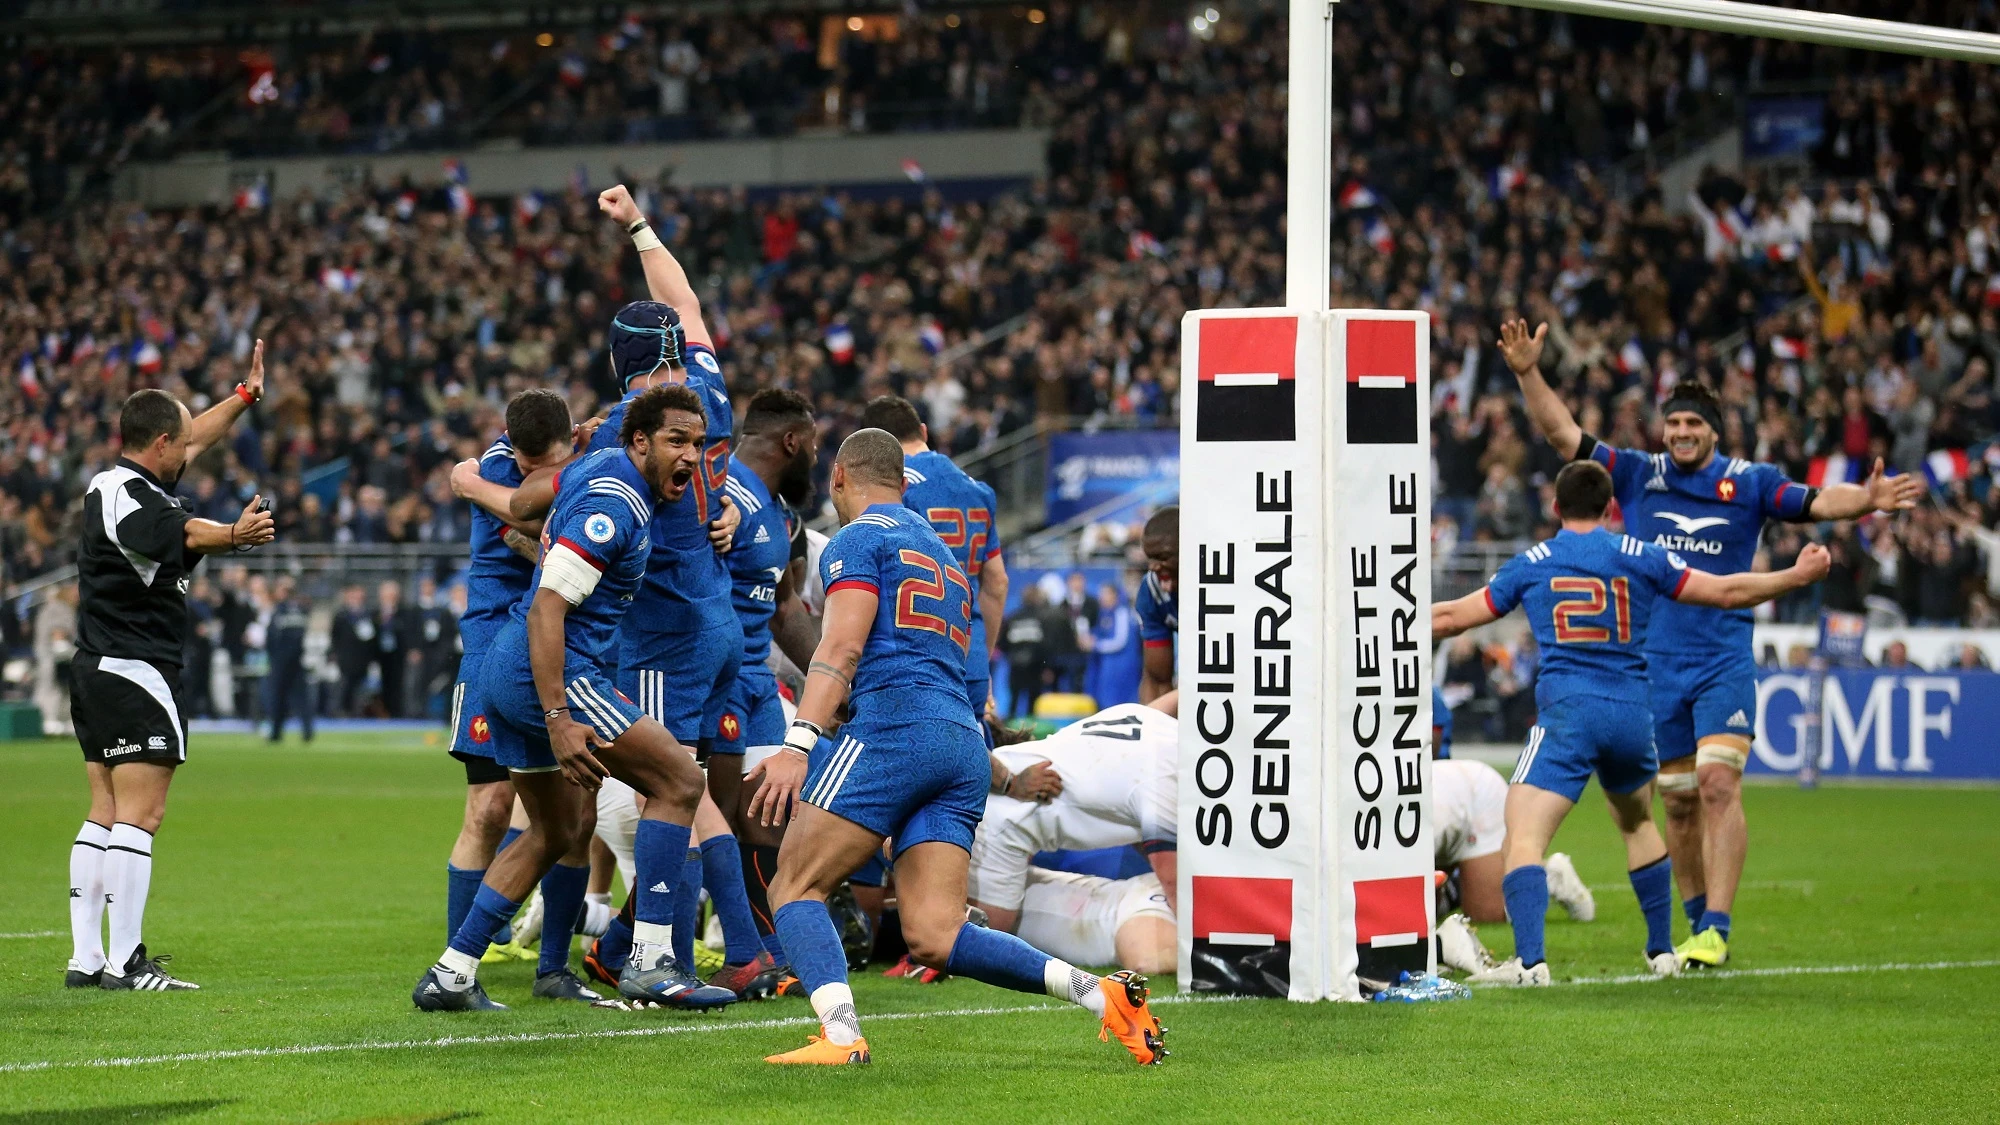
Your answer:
<point x="1127" y="1017"/>
<point x="820" y="1051"/>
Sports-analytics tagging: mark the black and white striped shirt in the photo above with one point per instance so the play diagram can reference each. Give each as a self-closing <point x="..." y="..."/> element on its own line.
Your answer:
<point x="133" y="568"/>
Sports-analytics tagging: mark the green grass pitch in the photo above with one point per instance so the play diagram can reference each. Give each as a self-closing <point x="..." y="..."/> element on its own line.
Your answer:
<point x="303" y="888"/>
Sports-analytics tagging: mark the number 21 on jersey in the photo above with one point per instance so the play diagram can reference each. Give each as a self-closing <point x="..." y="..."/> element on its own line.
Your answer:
<point x="931" y="588"/>
<point x="1591" y="605"/>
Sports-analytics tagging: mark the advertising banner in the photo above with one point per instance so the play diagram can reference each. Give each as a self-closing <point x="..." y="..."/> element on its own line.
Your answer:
<point x="1881" y="723"/>
<point x="1090" y="471"/>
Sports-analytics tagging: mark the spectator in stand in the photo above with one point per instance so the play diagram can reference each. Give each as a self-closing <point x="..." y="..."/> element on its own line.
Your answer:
<point x="1113" y="673"/>
<point x="1896" y="655"/>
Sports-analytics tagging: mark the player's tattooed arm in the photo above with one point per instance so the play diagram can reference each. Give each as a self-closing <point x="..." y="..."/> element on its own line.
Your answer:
<point x="850" y="613"/>
<point x="821" y="667"/>
<point x="527" y="546"/>
<point x="1449" y="619"/>
<point x="793" y="626"/>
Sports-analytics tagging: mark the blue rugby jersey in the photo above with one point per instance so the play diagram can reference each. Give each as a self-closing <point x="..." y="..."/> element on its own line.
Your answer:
<point x="686" y="587"/>
<point x="1589" y="598"/>
<point x="1158" y="612"/>
<point x="1712" y="516"/>
<point x="961" y="510"/>
<point x="497" y="577"/>
<point x="603" y="511"/>
<point x="914" y="659"/>
<point x="757" y="561"/>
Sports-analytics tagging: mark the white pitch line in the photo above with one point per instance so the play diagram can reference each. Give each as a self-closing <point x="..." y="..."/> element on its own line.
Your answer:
<point x="797" y="1021"/>
<point x="539" y="1037"/>
<point x="36" y="934"/>
<point x="1803" y="886"/>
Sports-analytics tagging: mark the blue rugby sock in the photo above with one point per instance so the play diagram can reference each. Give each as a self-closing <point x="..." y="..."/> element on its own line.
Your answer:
<point x="1527" y="892"/>
<point x="1694" y="908"/>
<point x="508" y="837"/>
<point x="659" y="853"/>
<point x="461" y="886"/>
<point x="1653" y="884"/>
<point x="999" y="959"/>
<point x="687" y="909"/>
<point x="1714" y="920"/>
<point x="490" y="910"/>
<point x="817" y="956"/>
<point x="615" y="947"/>
<point x="563" y="889"/>
<point x="722" y="874"/>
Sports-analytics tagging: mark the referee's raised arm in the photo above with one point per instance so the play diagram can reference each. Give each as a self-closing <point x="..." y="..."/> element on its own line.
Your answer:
<point x="138" y="549"/>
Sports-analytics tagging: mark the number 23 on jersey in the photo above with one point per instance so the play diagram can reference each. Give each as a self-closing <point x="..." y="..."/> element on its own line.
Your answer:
<point x="930" y="588"/>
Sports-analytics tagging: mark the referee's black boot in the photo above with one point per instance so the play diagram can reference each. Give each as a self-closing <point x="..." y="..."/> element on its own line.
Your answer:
<point x="144" y="974"/>
<point x="77" y="978"/>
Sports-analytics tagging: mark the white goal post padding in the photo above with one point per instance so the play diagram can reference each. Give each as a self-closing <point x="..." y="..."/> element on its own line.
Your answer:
<point x="1304" y="650"/>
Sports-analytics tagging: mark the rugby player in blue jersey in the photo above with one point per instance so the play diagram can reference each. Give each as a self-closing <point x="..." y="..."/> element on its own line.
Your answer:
<point x="961" y="510"/>
<point x="1591" y="598"/>
<point x="1712" y="510"/>
<point x="770" y="477"/>
<point x="1158" y="605"/>
<point x="909" y="765"/>
<point x="559" y="726"/>
<point x="504" y="552"/>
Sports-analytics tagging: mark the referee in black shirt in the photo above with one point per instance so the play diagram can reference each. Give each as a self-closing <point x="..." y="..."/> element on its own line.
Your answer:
<point x="139" y="546"/>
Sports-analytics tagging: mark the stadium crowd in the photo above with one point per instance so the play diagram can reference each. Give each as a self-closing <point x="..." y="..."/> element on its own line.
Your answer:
<point x="1845" y="315"/>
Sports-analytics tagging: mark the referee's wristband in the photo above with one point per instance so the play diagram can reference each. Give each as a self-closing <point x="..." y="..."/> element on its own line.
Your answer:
<point x="802" y="736"/>
<point x="643" y="238"/>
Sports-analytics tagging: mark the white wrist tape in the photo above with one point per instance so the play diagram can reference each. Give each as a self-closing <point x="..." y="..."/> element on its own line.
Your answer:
<point x="802" y="737"/>
<point x="644" y="239"/>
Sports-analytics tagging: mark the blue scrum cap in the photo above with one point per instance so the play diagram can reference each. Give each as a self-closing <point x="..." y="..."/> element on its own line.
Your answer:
<point x="646" y="336"/>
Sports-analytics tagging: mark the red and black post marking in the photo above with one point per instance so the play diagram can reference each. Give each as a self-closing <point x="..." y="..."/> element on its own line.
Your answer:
<point x="1381" y="382"/>
<point x="1247" y="388"/>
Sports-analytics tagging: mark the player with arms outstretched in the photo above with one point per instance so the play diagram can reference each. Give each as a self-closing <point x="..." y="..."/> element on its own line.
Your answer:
<point x="1704" y="676"/>
<point x="1590" y="597"/>
<point x="558" y="725"/>
<point x="961" y="510"/>
<point x="910" y="765"/>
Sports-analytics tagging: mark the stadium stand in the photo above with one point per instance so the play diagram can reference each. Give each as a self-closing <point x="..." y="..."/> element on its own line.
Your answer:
<point x="1495" y="161"/>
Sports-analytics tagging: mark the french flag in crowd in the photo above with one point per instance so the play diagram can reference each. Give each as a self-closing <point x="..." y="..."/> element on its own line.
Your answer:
<point x="1631" y="358"/>
<point x="406" y="206"/>
<point x="147" y="357"/>
<point x="1791" y="347"/>
<point x="931" y="336"/>
<point x="1944" y="466"/>
<point x="340" y="279"/>
<point x="1356" y="197"/>
<point x="1731" y="223"/>
<point x="26" y="374"/>
<point x="1786" y="251"/>
<point x="840" y="342"/>
<point x="1835" y="468"/>
<point x="527" y="205"/>
<point x="913" y="171"/>
<point x="579" y="178"/>
<point x="454" y="170"/>
<point x="461" y="200"/>
<point x="1379" y="235"/>
<point x="253" y="196"/>
<point x="572" y="71"/>
<point x="1143" y="245"/>
<point x="1504" y="179"/>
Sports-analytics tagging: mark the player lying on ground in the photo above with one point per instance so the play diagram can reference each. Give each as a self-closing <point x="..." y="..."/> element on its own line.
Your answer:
<point x="1589" y="596"/>
<point x="138" y="548"/>
<point x="910" y="764"/>
<point x="1091" y="920"/>
<point x="1704" y="677"/>
<point x="560" y="728"/>
<point x="1118" y="772"/>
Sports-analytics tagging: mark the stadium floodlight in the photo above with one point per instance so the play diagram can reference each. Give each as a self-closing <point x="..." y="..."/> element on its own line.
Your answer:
<point x="1305" y="653"/>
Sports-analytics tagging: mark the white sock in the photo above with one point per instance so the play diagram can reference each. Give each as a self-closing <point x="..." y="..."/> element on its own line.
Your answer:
<point x="597" y="918"/>
<point x="650" y="939"/>
<point x="834" y="1004"/>
<point x="86" y="896"/>
<point x="128" y="876"/>
<point x="462" y="969"/>
<point x="1066" y="982"/>
<point x="602" y="898"/>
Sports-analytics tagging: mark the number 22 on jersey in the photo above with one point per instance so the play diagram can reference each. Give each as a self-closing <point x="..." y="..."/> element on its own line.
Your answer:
<point x="1592" y="604"/>
<point x="931" y="588"/>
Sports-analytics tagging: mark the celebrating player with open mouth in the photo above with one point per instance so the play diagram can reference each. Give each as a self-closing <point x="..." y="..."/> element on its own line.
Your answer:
<point x="1704" y="676"/>
<point x="1590" y="598"/>
<point x="910" y="765"/>
<point x="558" y="725"/>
